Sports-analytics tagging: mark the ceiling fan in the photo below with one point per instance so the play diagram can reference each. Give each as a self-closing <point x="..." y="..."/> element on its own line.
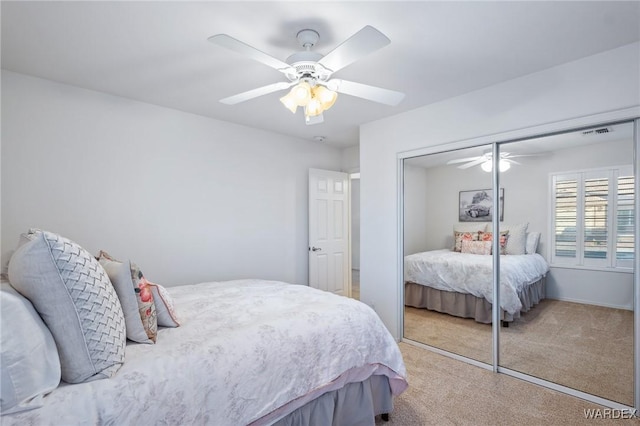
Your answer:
<point x="484" y="160"/>
<point x="310" y="74"/>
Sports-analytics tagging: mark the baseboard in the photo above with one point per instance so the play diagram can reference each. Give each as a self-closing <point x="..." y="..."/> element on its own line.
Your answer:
<point x="588" y="302"/>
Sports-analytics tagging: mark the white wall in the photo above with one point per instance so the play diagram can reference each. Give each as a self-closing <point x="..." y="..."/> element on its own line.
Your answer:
<point x="351" y="158"/>
<point x="594" y="85"/>
<point x="418" y="206"/>
<point x="188" y="198"/>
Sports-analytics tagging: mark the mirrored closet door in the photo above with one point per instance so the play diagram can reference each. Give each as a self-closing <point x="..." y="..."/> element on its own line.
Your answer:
<point x="573" y="194"/>
<point x="566" y="275"/>
<point x="447" y="200"/>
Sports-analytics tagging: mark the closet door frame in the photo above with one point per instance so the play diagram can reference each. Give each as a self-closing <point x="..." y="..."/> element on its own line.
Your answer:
<point x="583" y="123"/>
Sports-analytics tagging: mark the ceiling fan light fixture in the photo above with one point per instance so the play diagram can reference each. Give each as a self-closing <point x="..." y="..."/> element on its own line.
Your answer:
<point x="310" y="72"/>
<point x="301" y="93"/>
<point x="326" y="97"/>
<point x="289" y="102"/>
<point x="313" y="108"/>
<point x="503" y="165"/>
<point x="315" y="99"/>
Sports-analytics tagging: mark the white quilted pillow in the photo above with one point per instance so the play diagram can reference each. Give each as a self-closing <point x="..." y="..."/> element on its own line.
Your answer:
<point x="73" y="295"/>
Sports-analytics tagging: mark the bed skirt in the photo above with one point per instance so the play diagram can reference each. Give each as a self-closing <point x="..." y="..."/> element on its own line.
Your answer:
<point x="354" y="404"/>
<point x="467" y="305"/>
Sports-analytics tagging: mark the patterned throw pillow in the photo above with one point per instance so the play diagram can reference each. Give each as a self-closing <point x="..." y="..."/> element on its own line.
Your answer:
<point x="459" y="237"/>
<point x="73" y="295"/>
<point x="164" y="306"/>
<point x="504" y="238"/>
<point x="136" y="297"/>
<point x="476" y="247"/>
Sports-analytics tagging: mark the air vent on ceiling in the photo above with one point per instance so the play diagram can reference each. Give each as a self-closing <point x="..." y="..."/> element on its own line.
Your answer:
<point x="599" y="131"/>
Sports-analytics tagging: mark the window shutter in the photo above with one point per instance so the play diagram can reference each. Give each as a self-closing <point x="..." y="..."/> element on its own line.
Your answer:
<point x="624" y="245"/>
<point x="596" y="205"/>
<point x="566" y="203"/>
<point x="594" y="218"/>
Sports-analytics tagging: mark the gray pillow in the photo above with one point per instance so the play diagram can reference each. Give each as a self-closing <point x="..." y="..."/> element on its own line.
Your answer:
<point x="139" y="315"/>
<point x="73" y="295"/>
<point x="29" y="363"/>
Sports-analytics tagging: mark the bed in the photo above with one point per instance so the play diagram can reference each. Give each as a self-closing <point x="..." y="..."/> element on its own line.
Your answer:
<point x="245" y="352"/>
<point x="461" y="284"/>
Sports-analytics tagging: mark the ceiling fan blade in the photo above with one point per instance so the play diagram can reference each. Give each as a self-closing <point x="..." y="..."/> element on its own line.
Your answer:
<point x="509" y="160"/>
<point x="316" y="119"/>
<point x="473" y="163"/>
<point x="260" y="91"/>
<point x="357" y="46"/>
<point x="526" y="155"/>
<point x="239" y="47"/>
<point x="372" y="93"/>
<point x="463" y="160"/>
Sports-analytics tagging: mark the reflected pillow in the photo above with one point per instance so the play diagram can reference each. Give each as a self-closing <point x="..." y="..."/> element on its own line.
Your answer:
<point x="476" y="247"/>
<point x="517" y="237"/>
<point x="469" y="227"/>
<point x="459" y="237"/>
<point x="533" y="239"/>
<point x="504" y="238"/>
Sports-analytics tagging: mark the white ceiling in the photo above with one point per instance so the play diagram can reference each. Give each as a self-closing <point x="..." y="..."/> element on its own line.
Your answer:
<point x="157" y="52"/>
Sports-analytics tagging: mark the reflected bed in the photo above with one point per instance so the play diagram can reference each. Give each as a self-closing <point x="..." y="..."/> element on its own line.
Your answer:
<point x="461" y="284"/>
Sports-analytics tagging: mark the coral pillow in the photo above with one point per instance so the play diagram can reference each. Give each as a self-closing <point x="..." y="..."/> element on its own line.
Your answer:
<point x="459" y="237"/>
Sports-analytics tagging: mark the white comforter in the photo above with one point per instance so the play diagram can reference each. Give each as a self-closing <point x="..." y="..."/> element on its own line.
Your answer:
<point x="471" y="273"/>
<point x="245" y="349"/>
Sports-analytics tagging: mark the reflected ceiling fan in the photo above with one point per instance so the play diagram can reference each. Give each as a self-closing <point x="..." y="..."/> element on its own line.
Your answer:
<point x="309" y="74"/>
<point x="484" y="160"/>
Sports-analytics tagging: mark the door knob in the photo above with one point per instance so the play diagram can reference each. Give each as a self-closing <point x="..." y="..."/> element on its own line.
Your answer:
<point x="315" y="249"/>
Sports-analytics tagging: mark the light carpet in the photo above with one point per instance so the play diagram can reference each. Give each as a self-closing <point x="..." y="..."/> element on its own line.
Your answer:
<point x="584" y="347"/>
<point x="443" y="391"/>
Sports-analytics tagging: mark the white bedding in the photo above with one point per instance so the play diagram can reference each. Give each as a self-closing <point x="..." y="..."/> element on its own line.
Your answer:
<point x="247" y="351"/>
<point x="471" y="273"/>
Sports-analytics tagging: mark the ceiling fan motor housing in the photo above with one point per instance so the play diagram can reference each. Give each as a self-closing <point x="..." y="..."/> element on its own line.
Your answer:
<point x="305" y="62"/>
<point x="306" y="67"/>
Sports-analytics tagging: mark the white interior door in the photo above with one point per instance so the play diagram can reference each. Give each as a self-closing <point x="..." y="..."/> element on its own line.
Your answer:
<point x="329" y="261"/>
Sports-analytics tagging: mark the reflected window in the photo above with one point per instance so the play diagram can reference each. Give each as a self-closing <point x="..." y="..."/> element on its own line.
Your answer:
<point x="593" y="217"/>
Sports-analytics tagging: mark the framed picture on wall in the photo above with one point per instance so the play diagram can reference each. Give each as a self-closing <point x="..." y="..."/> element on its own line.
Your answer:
<point x="477" y="205"/>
